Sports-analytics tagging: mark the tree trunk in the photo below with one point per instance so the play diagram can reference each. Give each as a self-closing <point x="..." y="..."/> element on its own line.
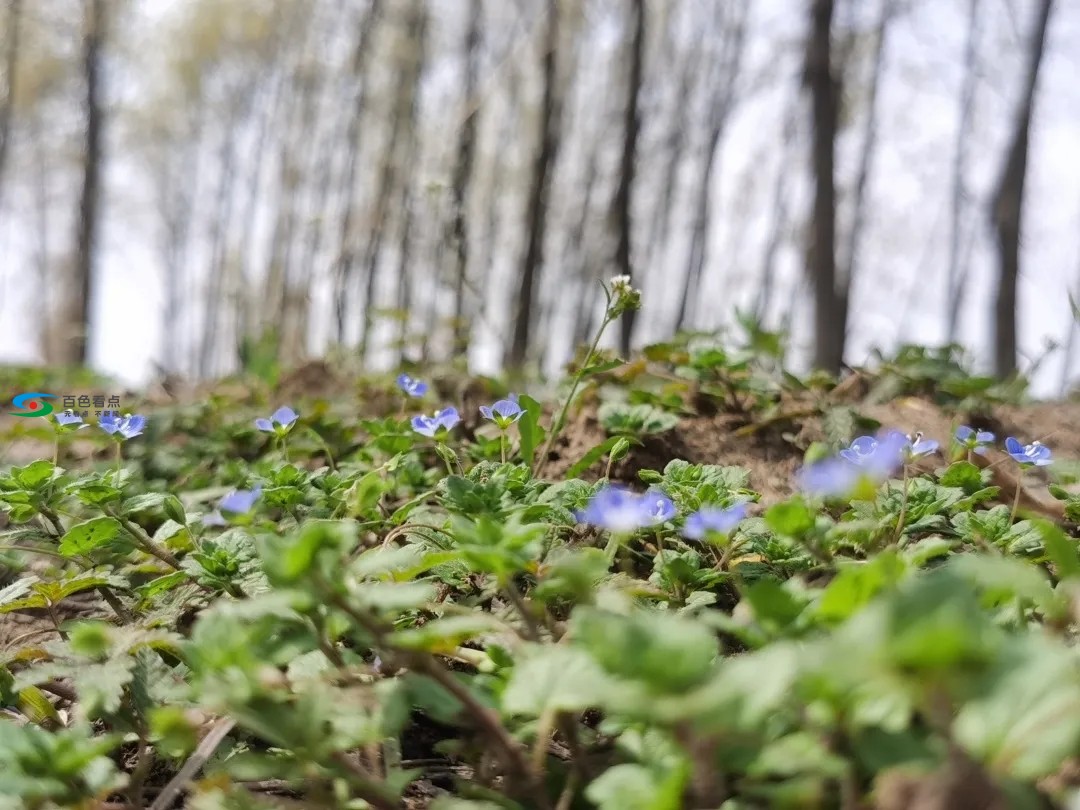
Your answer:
<point x="830" y="302"/>
<point x="459" y="237"/>
<point x="1008" y="202"/>
<point x="631" y="125"/>
<point x="7" y="103"/>
<point x="536" y="213"/>
<point x="957" y="277"/>
<point x="75" y="348"/>
<point x="720" y="109"/>
<point x="869" y="144"/>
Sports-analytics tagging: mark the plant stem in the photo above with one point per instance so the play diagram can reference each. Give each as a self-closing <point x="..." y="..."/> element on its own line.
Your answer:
<point x="1016" y="498"/>
<point x="903" y="506"/>
<point x="502" y="446"/>
<point x="560" y="421"/>
<point x="147" y="543"/>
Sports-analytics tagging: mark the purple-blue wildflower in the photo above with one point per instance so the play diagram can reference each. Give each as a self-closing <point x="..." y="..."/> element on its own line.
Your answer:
<point x="503" y="413"/>
<point x="237" y="502"/>
<point x="1035" y="454"/>
<point x="918" y="446"/>
<point x="833" y="477"/>
<point x="411" y="387"/>
<point x="280" y="421"/>
<point x="67" y="419"/>
<point x="618" y="510"/>
<point x="441" y="422"/>
<point x="126" y="427"/>
<point x="880" y="457"/>
<point x="658" y="506"/>
<point x="713" y="520"/>
<point x="974" y="440"/>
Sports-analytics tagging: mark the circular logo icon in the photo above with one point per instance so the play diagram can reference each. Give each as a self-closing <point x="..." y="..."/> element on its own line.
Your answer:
<point x="32" y="404"/>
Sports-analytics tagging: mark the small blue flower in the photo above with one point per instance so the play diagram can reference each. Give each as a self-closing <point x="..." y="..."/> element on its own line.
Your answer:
<point x="240" y="501"/>
<point x="503" y="413"/>
<point x="67" y="419"/>
<point x="280" y="421"/>
<point x="1030" y="455"/>
<point x="976" y="441"/>
<point x="658" y="506"/>
<point x="711" y="520"/>
<point x="440" y="423"/>
<point x="237" y="502"/>
<point x="878" y="458"/>
<point x="127" y="427"/>
<point x="411" y="387"/>
<point x="617" y="510"/>
<point x="834" y="477"/>
<point x="918" y="446"/>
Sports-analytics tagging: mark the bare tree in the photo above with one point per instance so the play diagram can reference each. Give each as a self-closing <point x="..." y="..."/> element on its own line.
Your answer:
<point x="345" y="261"/>
<point x="540" y="191"/>
<point x="623" y="191"/>
<point x="74" y="348"/>
<point x="462" y="175"/>
<point x="720" y="106"/>
<point x="869" y="144"/>
<point x="780" y="215"/>
<point x="830" y="301"/>
<point x="7" y="101"/>
<point x="1007" y="204"/>
<point x="957" y="278"/>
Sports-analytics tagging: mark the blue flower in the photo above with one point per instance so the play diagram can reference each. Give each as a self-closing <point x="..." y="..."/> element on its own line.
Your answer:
<point x="411" y="387"/>
<point x="878" y="458"/>
<point x="280" y="421"/>
<point x="976" y="441"/>
<point x="67" y="419"/>
<point x="240" y="500"/>
<point x="503" y="413"/>
<point x="441" y="422"/>
<point x="918" y="446"/>
<point x="237" y="502"/>
<point x="658" y="506"/>
<point x="618" y="510"/>
<point x="834" y="477"/>
<point x="712" y="520"/>
<point x="1030" y="455"/>
<point x="127" y="427"/>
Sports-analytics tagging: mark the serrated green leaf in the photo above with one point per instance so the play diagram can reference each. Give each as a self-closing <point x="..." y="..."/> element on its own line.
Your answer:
<point x="84" y="537"/>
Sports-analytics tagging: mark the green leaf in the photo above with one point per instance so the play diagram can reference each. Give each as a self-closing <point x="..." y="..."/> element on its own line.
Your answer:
<point x="529" y="427"/>
<point x="34" y="475"/>
<point x="636" y="787"/>
<point x="83" y="538"/>
<point x="593" y="456"/>
<point x="774" y="605"/>
<point x="857" y="584"/>
<point x="790" y="518"/>
<point x="557" y="678"/>
<point x="1060" y="549"/>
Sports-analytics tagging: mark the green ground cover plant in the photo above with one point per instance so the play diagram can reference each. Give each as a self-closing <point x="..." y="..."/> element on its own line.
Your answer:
<point x="298" y="605"/>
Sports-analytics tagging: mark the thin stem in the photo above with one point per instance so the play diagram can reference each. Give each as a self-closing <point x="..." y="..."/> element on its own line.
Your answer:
<point x="146" y="542"/>
<point x="502" y="446"/>
<point x="1016" y="498"/>
<point x="903" y="506"/>
<point x="531" y="627"/>
<point x="119" y="459"/>
<point x="560" y="421"/>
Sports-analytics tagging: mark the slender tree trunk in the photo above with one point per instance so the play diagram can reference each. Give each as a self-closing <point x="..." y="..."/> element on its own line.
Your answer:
<point x="830" y="301"/>
<point x="623" y="192"/>
<point x="345" y="262"/>
<point x="869" y="146"/>
<point x="1008" y="203"/>
<point x="957" y="278"/>
<point x="780" y="214"/>
<point x="540" y="191"/>
<point x="46" y="315"/>
<point x="75" y="350"/>
<point x="720" y="110"/>
<point x="7" y="101"/>
<point x="409" y="72"/>
<point x="463" y="166"/>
